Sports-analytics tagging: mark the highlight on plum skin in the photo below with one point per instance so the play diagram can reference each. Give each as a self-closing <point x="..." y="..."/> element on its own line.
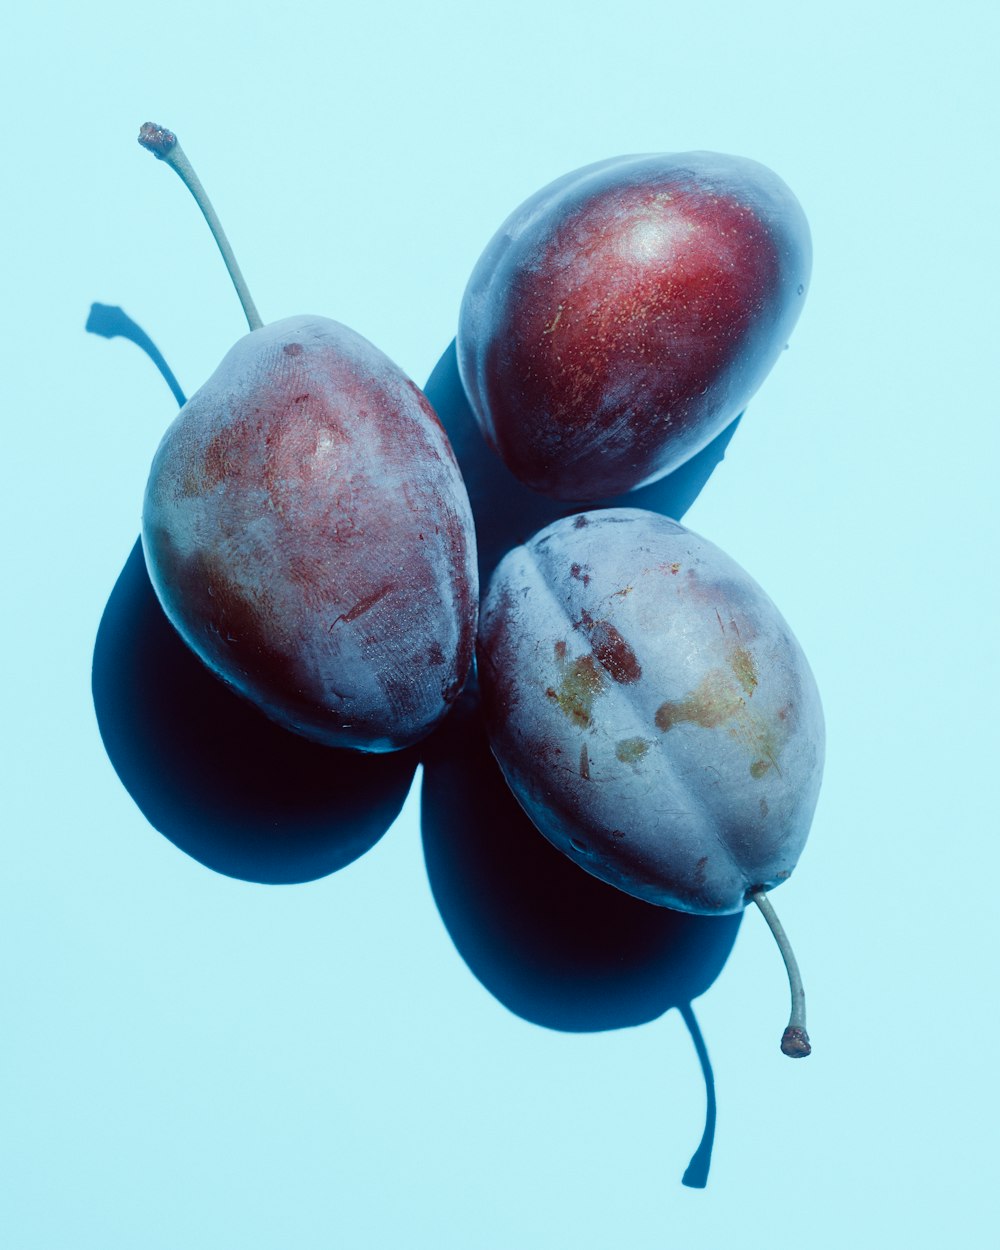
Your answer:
<point x="651" y="710"/>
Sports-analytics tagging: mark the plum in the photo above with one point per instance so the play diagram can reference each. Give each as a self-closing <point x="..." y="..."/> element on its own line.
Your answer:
<point x="308" y="532"/>
<point x="651" y="710"/>
<point x="625" y="314"/>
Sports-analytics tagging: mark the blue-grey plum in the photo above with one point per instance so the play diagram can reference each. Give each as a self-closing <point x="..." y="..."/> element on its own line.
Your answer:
<point x="651" y="710"/>
<point x="625" y="314"/>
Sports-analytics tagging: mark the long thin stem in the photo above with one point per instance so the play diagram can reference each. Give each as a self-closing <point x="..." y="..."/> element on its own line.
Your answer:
<point x="164" y="146"/>
<point x="795" y="1039"/>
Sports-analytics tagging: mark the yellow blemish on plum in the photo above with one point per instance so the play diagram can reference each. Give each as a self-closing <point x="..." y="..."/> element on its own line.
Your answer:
<point x="712" y="702"/>
<point x="581" y="684"/>
<point x="631" y="750"/>
<point x="717" y="699"/>
<point x="745" y="669"/>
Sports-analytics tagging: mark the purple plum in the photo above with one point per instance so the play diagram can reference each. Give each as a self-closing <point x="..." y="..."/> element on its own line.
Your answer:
<point x="307" y="529"/>
<point x="651" y="710"/>
<point x="625" y="314"/>
<point x="308" y="533"/>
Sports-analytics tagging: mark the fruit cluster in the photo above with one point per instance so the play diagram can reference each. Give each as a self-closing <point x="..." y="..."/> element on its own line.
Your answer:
<point x="309" y="534"/>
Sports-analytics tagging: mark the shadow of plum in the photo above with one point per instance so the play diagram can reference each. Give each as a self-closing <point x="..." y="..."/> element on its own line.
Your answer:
<point x="508" y="512"/>
<point x="556" y="946"/>
<point x="209" y="771"/>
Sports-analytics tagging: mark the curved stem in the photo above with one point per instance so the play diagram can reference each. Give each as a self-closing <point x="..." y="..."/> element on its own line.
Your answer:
<point x="795" y="1039"/>
<point x="164" y="146"/>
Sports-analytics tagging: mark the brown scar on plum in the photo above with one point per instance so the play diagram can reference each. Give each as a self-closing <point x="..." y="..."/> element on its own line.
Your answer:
<point x="614" y="654"/>
<point x="610" y="649"/>
<point x="362" y="606"/>
<point x="584" y="762"/>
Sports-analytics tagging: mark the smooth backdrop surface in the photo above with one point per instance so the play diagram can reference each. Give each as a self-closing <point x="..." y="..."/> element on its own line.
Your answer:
<point x="192" y="1060"/>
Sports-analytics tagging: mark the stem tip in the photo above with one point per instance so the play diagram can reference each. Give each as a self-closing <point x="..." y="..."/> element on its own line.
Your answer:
<point x="795" y="1043"/>
<point x="157" y="139"/>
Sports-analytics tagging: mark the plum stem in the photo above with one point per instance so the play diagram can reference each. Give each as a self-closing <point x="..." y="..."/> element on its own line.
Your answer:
<point x="164" y="146"/>
<point x="795" y="1039"/>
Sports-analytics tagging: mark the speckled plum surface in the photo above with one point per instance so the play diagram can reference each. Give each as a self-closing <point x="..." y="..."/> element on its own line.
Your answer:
<point x="625" y="314"/>
<point x="651" y="709"/>
<point x="308" y="533"/>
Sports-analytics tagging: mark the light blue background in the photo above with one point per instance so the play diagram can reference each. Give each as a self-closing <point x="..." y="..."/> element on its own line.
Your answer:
<point x="194" y="1061"/>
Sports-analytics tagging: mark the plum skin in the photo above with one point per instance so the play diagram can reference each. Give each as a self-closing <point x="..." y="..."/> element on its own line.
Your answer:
<point x="308" y="533"/>
<point x="651" y="710"/>
<point x="625" y="314"/>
